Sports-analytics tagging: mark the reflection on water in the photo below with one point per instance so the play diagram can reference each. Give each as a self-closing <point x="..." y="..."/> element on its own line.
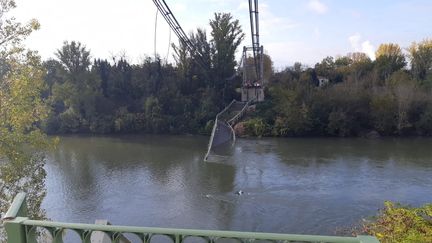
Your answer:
<point x="290" y="185"/>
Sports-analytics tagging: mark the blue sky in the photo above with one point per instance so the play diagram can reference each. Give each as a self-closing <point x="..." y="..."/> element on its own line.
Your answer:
<point x="291" y="30"/>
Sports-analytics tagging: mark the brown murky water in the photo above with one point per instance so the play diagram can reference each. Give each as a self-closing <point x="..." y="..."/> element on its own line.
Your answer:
<point x="308" y="186"/>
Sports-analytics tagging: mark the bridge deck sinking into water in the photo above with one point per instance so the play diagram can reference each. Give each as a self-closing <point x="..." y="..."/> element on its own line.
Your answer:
<point x="223" y="128"/>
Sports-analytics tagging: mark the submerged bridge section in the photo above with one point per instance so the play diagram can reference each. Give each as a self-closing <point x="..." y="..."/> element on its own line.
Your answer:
<point x="21" y="229"/>
<point x="223" y="131"/>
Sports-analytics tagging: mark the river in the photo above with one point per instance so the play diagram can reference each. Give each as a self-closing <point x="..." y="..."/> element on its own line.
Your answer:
<point x="296" y="185"/>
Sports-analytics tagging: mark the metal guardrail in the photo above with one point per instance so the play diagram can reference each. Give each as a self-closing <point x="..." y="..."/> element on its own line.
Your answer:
<point x="21" y="229"/>
<point x="226" y="108"/>
<point x="101" y="237"/>
<point x="239" y="115"/>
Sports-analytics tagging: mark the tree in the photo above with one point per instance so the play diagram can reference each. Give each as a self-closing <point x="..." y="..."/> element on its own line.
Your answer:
<point x="76" y="90"/>
<point x="55" y="73"/>
<point x="227" y="36"/>
<point x="181" y="57"/>
<point x="383" y="112"/>
<point x="389" y="59"/>
<point x="21" y="112"/>
<point x="405" y="94"/>
<point x="298" y="67"/>
<point x="360" y="65"/>
<point x="202" y="46"/>
<point x="12" y="33"/>
<point x="358" y="57"/>
<point x="74" y="56"/>
<point x="421" y="60"/>
<point x="325" y="67"/>
<point x="342" y="61"/>
<point x="293" y="116"/>
<point x="267" y="67"/>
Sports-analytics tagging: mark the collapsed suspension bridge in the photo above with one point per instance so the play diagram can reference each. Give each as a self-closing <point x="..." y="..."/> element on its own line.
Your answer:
<point x="252" y="89"/>
<point x="21" y="229"/>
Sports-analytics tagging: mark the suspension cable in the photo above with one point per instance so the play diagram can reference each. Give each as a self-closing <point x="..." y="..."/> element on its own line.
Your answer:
<point x="177" y="29"/>
<point x="169" y="46"/>
<point x="155" y="34"/>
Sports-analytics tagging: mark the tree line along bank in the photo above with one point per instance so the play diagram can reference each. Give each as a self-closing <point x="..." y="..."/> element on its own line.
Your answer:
<point x="356" y="96"/>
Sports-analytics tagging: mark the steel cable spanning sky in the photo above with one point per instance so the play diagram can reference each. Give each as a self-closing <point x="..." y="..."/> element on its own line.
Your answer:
<point x="303" y="31"/>
<point x="178" y="30"/>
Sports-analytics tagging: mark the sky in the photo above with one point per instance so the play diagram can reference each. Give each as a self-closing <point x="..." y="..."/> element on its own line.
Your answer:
<point x="291" y="31"/>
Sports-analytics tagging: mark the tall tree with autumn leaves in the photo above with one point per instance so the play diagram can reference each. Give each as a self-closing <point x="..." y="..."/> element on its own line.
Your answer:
<point x="21" y="111"/>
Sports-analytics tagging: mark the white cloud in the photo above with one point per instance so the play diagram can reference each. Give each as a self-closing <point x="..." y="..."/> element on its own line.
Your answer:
<point x="244" y="5"/>
<point x="271" y="23"/>
<point x="369" y="49"/>
<point x="317" y="6"/>
<point x="355" y="41"/>
<point x="359" y="46"/>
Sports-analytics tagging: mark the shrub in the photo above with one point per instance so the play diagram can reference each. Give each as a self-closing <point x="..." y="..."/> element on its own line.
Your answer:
<point x="255" y="127"/>
<point x="402" y="224"/>
<point x="424" y="125"/>
<point x="383" y="113"/>
<point x="339" y="124"/>
<point x="70" y="121"/>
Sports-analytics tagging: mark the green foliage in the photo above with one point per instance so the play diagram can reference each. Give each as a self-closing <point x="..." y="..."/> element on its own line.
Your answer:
<point x="155" y="97"/>
<point x="227" y="36"/>
<point x="12" y="32"/>
<point x="153" y="112"/>
<point x="424" y="124"/>
<point x="69" y="121"/>
<point x="255" y="127"/>
<point x="127" y="122"/>
<point x="21" y="110"/>
<point x="75" y="58"/>
<point x="339" y="124"/>
<point x="21" y="141"/>
<point x="421" y="59"/>
<point x="383" y="112"/>
<point x="101" y="124"/>
<point x="363" y="96"/>
<point x="402" y="224"/>
<point x="389" y="60"/>
<point x="151" y="97"/>
<point x="292" y="115"/>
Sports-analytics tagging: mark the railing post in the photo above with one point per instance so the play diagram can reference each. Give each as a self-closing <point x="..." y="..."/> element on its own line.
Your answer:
<point x="15" y="231"/>
<point x="178" y="238"/>
<point x="17" y="212"/>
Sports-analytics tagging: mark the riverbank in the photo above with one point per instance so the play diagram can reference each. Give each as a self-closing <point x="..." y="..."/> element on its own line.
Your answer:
<point x="257" y="128"/>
